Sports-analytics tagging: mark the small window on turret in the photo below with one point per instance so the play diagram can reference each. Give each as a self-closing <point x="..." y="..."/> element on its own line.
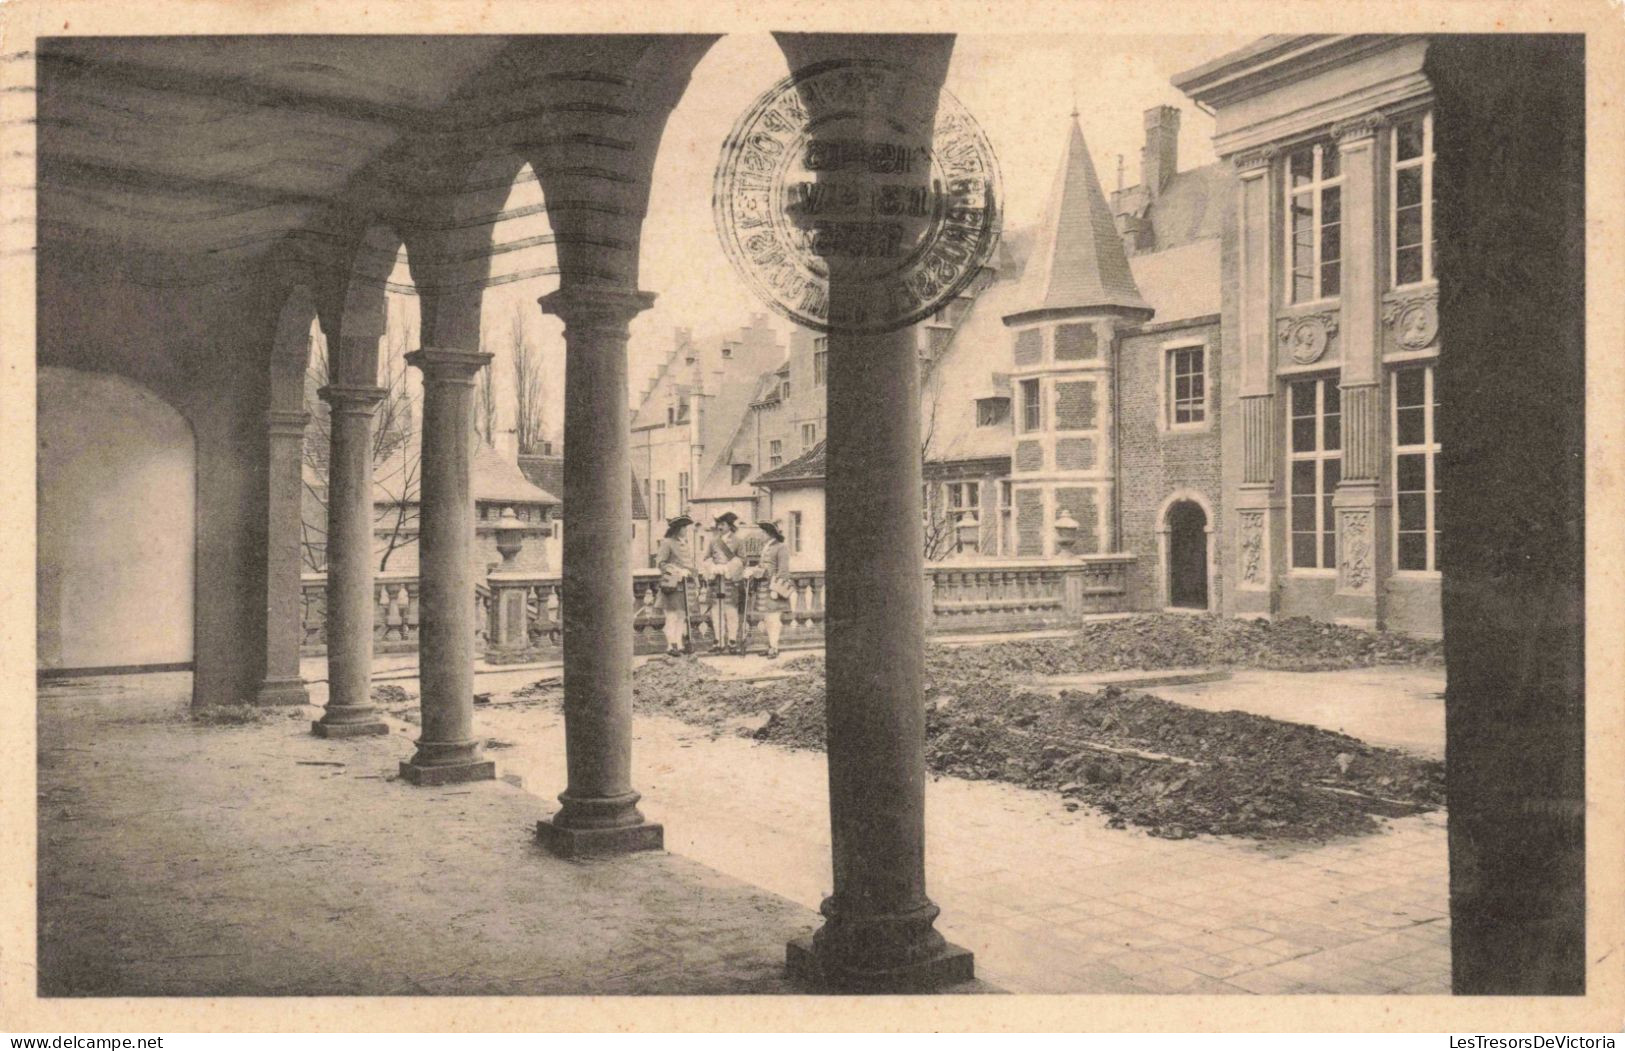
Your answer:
<point x="991" y="412"/>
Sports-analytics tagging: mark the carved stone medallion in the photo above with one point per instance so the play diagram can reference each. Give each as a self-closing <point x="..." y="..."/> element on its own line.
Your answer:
<point x="1306" y="337"/>
<point x="1414" y="319"/>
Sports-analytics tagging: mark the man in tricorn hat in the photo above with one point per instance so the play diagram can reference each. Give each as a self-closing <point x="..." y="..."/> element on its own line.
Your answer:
<point x="725" y="565"/>
<point x="675" y="568"/>
<point x="774" y="594"/>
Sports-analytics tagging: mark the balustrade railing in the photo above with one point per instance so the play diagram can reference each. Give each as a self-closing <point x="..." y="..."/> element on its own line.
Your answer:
<point x="394" y="614"/>
<point x="521" y="614"/>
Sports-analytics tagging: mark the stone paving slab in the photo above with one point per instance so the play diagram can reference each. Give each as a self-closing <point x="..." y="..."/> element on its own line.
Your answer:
<point x="1051" y="900"/>
<point x="178" y="859"/>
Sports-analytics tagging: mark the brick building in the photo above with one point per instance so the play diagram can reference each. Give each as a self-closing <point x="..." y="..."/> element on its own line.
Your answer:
<point x="1078" y="374"/>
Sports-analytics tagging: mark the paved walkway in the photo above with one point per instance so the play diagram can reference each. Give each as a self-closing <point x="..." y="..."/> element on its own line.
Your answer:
<point x="181" y="859"/>
<point x="1395" y="707"/>
<point x="178" y="859"/>
<point x="1050" y="900"/>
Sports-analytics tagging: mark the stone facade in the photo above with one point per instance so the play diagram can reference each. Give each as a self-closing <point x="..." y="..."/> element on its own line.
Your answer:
<point x="1331" y="308"/>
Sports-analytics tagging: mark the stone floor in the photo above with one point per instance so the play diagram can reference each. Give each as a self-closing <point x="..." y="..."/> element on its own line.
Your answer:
<point x="1050" y="901"/>
<point x="178" y="859"/>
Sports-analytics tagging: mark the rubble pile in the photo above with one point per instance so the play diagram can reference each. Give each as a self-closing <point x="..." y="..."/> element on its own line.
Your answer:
<point x="1134" y="757"/>
<point x="1157" y="641"/>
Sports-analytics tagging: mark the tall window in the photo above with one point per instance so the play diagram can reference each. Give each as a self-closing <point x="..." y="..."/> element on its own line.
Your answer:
<point x="795" y="531"/>
<point x="682" y="491"/>
<point x="963" y="499"/>
<point x="820" y="361"/>
<point x="1317" y="465"/>
<point x="1411" y="200"/>
<point x="1187" y="386"/>
<point x="1314" y="231"/>
<point x="775" y="453"/>
<point x="660" y="501"/>
<point x="1032" y="412"/>
<point x="809" y="435"/>
<point x="784" y="390"/>
<point x="1416" y="447"/>
<point x="1007" y="538"/>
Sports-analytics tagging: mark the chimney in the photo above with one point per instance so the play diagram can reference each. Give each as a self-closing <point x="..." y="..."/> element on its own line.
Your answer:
<point x="507" y="444"/>
<point x="1159" y="158"/>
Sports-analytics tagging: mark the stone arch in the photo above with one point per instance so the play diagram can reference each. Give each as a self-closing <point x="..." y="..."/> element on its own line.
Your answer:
<point x="355" y="319"/>
<point x="116" y="524"/>
<point x="1187" y="577"/>
<point x="290" y="350"/>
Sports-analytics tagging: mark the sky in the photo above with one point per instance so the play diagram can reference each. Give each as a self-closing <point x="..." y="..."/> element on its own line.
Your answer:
<point x="1021" y="89"/>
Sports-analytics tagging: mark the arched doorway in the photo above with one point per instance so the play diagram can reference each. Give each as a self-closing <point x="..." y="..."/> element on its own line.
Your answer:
<point x="115" y="554"/>
<point x="1187" y="555"/>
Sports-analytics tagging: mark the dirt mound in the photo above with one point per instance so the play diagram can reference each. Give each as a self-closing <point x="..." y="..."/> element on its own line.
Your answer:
<point x="1138" y="759"/>
<point x="1156" y="641"/>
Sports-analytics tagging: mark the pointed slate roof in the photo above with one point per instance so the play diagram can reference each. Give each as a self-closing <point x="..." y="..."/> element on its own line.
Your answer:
<point x="1078" y="262"/>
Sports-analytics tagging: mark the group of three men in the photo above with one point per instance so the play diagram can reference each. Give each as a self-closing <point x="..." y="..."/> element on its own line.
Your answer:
<point x="731" y="583"/>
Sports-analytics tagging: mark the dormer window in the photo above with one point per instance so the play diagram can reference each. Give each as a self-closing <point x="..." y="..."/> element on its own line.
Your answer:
<point x="992" y="412"/>
<point x="741" y="471"/>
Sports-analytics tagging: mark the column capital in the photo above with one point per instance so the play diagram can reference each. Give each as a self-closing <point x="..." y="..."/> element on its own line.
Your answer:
<point x="289" y="422"/>
<point x="1255" y="162"/>
<point x="350" y="398"/>
<point x="1354" y="129"/>
<point x="448" y="363"/>
<point x="596" y="306"/>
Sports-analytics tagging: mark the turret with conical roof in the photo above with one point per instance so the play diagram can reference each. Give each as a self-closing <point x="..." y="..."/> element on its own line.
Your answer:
<point x="1077" y="290"/>
<point x="1078" y="263"/>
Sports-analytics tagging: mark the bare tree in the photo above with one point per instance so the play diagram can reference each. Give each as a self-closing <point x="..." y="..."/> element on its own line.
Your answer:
<point x="485" y="405"/>
<point x="939" y="523"/>
<point x="528" y="384"/>
<point x="395" y="459"/>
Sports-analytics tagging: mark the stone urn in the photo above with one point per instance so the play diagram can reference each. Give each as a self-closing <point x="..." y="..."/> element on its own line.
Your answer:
<point x="510" y="533"/>
<point x="1066" y="532"/>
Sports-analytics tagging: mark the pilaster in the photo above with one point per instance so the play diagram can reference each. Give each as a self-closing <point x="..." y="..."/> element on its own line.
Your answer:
<point x="1361" y="509"/>
<point x="282" y="684"/>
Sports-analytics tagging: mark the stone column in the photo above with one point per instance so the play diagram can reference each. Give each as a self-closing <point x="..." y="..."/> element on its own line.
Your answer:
<point x="350" y="711"/>
<point x="284" y="629"/>
<point x="599" y="814"/>
<point x="447" y="751"/>
<point x="1259" y="527"/>
<point x="1361" y="507"/>
<point x="879" y="924"/>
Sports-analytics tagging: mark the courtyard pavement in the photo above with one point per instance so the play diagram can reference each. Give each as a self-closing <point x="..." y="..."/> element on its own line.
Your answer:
<point x="179" y="859"/>
<point x="1050" y="900"/>
<point x="186" y="860"/>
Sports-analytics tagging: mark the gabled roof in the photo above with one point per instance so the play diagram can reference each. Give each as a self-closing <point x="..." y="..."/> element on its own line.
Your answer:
<point x="1078" y="262"/>
<point x="808" y="467"/>
<point x="548" y="473"/>
<point x="491" y="478"/>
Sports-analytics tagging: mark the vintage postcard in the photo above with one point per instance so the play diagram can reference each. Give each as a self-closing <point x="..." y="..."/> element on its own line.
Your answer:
<point x="552" y="516"/>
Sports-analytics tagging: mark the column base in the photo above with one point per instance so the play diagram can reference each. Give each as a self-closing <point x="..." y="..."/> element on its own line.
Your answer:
<point x="358" y="729"/>
<point x="449" y="773"/>
<point x="281" y="692"/>
<point x="950" y="965"/>
<point x="566" y="842"/>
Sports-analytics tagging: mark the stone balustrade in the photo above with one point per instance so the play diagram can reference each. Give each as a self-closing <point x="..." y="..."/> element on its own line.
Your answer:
<point x="519" y="612"/>
<point x="394" y="614"/>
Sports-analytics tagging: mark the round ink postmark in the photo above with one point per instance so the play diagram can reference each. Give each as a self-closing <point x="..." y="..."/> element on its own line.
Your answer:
<point x="810" y="182"/>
